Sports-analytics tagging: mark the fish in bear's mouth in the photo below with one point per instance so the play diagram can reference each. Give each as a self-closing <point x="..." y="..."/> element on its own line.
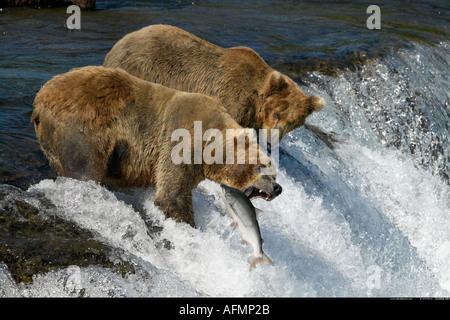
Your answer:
<point x="255" y="193"/>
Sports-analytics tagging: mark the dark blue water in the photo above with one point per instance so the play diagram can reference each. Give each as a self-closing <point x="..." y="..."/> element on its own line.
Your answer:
<point x="373" y="207"/>
<point x="290" y="35"/>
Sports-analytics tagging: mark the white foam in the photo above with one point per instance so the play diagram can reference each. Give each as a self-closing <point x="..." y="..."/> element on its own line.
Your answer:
<point x="207" y="258"/>
<point x="413" y="199"/>
<point x="97" y="209"/>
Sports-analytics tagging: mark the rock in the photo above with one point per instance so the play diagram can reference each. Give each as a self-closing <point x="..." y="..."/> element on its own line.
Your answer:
<point x="329" y="65"/>
<point x="33" y="239"/>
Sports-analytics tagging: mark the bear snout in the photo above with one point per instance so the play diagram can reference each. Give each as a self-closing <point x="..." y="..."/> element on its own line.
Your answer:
<point x="277" y="189"/>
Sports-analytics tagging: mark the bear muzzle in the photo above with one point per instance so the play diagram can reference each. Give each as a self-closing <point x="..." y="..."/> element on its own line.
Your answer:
<point x="263" y="192"/>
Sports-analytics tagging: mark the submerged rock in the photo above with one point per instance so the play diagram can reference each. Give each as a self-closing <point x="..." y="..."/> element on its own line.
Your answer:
<point x="328" y="65"/>
<point x="33" y="239"/>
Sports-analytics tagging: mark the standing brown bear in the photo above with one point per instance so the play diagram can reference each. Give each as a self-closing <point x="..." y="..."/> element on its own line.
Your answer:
<point x="253" y="93"/>
<point x="106" y="125"/>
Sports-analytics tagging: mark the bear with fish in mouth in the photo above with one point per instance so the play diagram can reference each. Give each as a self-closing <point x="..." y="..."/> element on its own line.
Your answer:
<point x="103" y="124"/>
<point x="254" y="94"/>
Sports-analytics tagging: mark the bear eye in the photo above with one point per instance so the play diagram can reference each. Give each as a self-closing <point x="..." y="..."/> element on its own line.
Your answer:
<point x="276" y="115"/>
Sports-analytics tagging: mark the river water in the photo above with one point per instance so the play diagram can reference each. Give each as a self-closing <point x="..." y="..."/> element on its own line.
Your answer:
<point x="365" y="203"/>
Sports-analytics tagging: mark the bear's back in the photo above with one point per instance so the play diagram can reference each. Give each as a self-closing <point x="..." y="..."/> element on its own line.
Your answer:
<point x="91" y="94"/>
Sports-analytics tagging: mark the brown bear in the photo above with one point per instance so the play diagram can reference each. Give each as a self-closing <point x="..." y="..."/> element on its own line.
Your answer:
<point x="253" y="93"/>
<point x="106" y="125"/>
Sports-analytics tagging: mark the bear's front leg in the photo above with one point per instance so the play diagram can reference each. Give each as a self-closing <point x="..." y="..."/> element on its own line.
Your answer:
<point x="176" y="206"/>
<point x="174" y="184"/>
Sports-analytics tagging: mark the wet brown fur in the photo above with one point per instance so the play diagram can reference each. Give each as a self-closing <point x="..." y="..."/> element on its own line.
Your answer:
<point x="254" y="94"/>
<point x="106" y="125"/>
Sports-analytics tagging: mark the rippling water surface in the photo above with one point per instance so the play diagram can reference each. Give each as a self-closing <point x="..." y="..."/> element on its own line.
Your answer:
<point x="365" y="206"/>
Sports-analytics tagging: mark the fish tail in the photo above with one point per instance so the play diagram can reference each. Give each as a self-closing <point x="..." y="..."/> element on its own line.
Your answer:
<point x="264" y="259"/>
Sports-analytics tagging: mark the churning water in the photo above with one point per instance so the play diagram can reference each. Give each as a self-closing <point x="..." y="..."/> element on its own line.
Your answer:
<point x="365" y="203"/>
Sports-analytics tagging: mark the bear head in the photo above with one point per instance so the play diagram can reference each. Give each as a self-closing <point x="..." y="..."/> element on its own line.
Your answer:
<point x="285" y="106"/>
<point x="245" y="166"/>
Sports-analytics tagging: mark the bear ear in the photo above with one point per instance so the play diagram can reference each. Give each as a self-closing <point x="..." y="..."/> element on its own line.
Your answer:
<point x="276" y="84"/>
<point x="260" y="167"/>
<point x="316" y="103"/>
<point x="250" y="132"/>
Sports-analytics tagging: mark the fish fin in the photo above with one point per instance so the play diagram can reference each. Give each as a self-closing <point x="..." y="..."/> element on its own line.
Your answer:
<point x="264" y="259"/>
<point x="243" y="241"/>
<point x="259" y="213"/>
